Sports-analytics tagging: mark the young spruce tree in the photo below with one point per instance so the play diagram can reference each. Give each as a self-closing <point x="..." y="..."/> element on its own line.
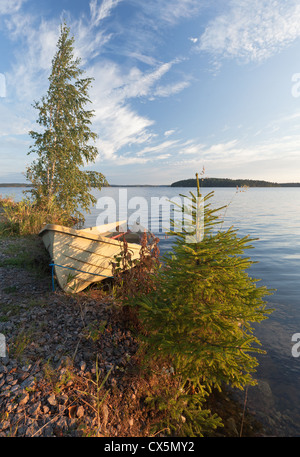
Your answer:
<point x="63" y="147"/>
<point x="198" y="319"/>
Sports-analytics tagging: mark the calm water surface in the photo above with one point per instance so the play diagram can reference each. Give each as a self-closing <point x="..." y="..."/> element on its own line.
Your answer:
<point x="273" y="216"/>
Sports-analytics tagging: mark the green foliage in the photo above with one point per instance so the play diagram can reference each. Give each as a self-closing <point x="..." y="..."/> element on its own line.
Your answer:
<point x="63" y="144"/>
<point x="28" y="218"/>
<point x="179" y="410"/>
<point x="200" y="316"/>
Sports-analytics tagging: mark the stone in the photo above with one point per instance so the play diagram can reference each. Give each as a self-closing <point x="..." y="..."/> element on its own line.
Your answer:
<point x="9" y="378"/>
<point x="28" y="383"/>
<point x="130" y="422"/>
<point x="82" y="365"/>
<point x="80" y="411"/>
<point x="4" y="425"/>
<point x="52" y="400"/>
<point x="48" y="431"/>
<point x="34" y="409"/>
<point x="33" y="430"/>
<point x="230" y="422"/>
<point x="62" y="422"/>
<point x="15" y="388"/>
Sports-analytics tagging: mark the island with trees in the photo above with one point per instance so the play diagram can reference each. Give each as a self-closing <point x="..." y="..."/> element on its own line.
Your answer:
<point x="227" y="182"/>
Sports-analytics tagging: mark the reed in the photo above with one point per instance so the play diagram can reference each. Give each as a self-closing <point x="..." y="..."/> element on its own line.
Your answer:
<point x="28" y="218"/>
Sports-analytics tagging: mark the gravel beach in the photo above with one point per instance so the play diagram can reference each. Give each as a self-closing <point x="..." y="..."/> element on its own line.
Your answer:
<point x="71" y="365"/>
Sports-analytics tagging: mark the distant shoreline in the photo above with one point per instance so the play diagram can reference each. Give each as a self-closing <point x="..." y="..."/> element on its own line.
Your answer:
<point x="13" y="184"/>
<point x="205" y="182"/>
<point x="227" y="182"/>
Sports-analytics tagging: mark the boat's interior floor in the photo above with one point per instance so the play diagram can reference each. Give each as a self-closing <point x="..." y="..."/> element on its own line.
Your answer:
<point x="130" y="237"/>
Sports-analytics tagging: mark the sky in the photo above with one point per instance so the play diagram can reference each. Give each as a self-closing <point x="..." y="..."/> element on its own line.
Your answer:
<point x="179" y="85"/>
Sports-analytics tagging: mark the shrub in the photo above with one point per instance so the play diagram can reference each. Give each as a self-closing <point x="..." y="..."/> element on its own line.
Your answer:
<point x="198" y="317"/>
<point x="28" y="218"/>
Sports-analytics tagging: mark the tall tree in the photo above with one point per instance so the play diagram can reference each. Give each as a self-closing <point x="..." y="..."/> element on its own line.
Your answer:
<point x="63" y="146"/>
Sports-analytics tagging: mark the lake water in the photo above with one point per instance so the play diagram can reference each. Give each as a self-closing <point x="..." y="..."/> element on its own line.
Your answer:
<point x="273" y="216"/>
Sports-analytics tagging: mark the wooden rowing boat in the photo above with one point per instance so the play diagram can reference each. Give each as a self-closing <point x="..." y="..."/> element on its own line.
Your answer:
<point x="81" y="257"/>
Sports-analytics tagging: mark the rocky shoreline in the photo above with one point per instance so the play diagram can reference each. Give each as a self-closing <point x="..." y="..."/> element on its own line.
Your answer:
<point x="72" y="367"/>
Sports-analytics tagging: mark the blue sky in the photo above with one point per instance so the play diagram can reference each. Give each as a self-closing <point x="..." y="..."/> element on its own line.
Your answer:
<point x="178" y="85"/>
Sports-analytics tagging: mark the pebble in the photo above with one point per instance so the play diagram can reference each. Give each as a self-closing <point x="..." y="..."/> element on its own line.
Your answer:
<point x="24" y="399"/>
<point x="80" y="411"/>
<point x="82" y="365"/>
<point x="59" y="328"/>
<point x="52" y="400"/>
<point x="41" y="390"/>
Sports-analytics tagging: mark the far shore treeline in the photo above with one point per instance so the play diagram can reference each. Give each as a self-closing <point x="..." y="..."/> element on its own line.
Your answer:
<point x="206" y="182"/>
<point x="226" y="182"/>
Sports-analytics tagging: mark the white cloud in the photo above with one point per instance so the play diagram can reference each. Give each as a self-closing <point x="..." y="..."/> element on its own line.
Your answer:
<point x="118" y="124"/>
<point x="10" y="6"/>
<point x="102" y="11"/>
<point x="158" y="147"/>
<point x="169" y="132"/>
<point x="122" y="160"/>
<point x="238" y="154"/>
<point x="140" y="84"/>
<point x="173" y="10"/>
<point x="170" y="11"/>
<point x="12" y="123"/>
<point x="170" y="89"/>
<point x="191" y="148"/>
<point x="252" y="30"/>
<point x="117" y="120"/>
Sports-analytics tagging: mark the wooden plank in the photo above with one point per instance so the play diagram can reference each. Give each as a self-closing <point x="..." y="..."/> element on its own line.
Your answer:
<point x="82" y="259"/>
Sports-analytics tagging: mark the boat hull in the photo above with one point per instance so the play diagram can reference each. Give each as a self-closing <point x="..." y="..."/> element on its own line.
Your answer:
<point x="82" y="257"/>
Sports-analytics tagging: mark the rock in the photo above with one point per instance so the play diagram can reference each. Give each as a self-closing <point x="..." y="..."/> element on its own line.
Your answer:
<point x="33" y="430"/>
<point x="232" y="426"/>
<point x="80" y="411"/>
<point x="3" y="368"/>
<point x="24" y="399"/>
<point x="48" y="431"/>
<point x="62" y="423"/>
<point x="28" y="383"/>
<point x="34" y="409"/>
<point x="4" y="425"/>
<point x="15" y="389"/>
<point x="63" y="399"/>
<point x="82" y="365"/>
<point x="130" y="422"/>
<point x="266" y="393"/>
<point x="52" y="400"/>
